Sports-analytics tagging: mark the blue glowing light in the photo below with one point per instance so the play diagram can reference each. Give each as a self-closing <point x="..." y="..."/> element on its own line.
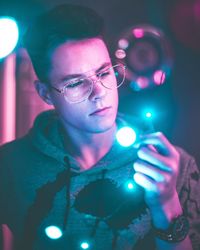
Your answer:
<point x="126" y="136"/>
<point x="148" y="114"/>
<point x="9" y="35"/>
<point x="53" y="232"/>
<point x="85" y="245"/>
<point x="130" y="185"/>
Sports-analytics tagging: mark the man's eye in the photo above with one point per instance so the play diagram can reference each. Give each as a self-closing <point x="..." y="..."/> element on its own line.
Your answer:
<point x="74" y="84"/>
<point x="105" y="73"/>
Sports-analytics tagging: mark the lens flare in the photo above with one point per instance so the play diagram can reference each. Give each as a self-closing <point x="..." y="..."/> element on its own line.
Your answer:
<point x="126" y="136"/>
<point x="9" y="35"/>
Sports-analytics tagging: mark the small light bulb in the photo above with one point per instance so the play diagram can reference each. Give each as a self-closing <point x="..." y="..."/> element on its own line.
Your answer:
<point x="126" y="136"/>
<point x="85" y="245"/>
<point x="53" y="232"/>
<point x="9" y="34"/>
<point x="130" y="185"/>
<point x="148" y="114"/>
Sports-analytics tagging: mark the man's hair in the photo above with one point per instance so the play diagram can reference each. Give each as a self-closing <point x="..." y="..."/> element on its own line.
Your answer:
<point x="61" y="24"/>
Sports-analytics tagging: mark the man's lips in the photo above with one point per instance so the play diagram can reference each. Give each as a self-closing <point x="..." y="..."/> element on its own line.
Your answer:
<point x="100" y="111"/>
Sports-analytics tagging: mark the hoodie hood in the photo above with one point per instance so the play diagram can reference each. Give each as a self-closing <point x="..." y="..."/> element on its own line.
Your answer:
<point x="46" y="135"/>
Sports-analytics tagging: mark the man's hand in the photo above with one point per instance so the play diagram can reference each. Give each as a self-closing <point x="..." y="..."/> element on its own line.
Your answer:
<point x="156" y="170"/>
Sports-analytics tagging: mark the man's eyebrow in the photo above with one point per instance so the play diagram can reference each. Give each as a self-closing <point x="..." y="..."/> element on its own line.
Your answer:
<point x="72" y="76"/>
<point x="103" y="66"/>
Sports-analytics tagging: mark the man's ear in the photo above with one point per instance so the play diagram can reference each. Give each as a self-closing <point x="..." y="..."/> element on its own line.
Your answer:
<point x="43" y="91"/>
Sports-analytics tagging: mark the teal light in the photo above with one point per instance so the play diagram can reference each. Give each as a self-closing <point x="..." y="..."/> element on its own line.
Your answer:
<point x="9" y="35"/>
<point x="148" y="114"/>
<point x="85" y="245"/>
<point x="149" y="118"/>
<point x="126" y="136"/>
<point x="53" y="232"/>
<point x="130" y="185"/>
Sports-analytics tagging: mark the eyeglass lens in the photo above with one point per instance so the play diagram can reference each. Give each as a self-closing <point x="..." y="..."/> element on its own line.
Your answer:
<point x="80" y="90"/>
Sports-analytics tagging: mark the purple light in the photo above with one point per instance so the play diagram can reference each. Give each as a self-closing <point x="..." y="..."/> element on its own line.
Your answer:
<point x="138" y="33"/>
<point x="142" y="82"/>
<point x="159" y="77"/>
<point x="123" y="43"/>
<point x="120" y="54"/>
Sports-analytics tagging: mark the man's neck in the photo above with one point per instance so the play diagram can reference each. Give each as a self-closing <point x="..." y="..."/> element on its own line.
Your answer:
<point x="89" y="148"/>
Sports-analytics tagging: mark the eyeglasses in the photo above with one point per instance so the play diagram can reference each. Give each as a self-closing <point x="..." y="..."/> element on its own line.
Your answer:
<point x="79" y="89"/>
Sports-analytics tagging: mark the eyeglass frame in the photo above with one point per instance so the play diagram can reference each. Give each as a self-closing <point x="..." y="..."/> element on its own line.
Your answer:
<point x="62" y="90"/>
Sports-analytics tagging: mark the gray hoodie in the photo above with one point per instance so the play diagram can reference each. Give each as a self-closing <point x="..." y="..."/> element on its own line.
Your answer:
<point x="41" y="185"/>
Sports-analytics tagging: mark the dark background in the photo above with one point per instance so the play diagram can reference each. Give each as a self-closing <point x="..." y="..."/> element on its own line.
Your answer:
<point x="177" y="102"/>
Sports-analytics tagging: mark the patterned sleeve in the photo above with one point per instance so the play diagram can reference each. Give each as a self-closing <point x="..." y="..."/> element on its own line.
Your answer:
<point x="190" y="199"/>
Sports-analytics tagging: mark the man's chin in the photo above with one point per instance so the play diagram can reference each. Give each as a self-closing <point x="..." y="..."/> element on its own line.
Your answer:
<point x="105" y="127"/>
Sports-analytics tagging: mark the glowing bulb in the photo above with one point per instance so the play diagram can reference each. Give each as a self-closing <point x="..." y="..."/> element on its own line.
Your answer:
<point x="126" y="136"/>
<point x="138" y="33"/>
<point x="9" y="35"/>
<point x="84" y="245"/>
<point x="130" y="185"/>
<point x="53" y="232"/>
<point x="149" y="117"/>
<point x="148" y="114"/>
<point x="120" y="53"/>
<point x="159" y="77"/>
<point x="123" y="43"/>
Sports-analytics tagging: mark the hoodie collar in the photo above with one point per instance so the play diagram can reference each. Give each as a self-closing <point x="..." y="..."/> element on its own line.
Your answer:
<point x="47" y="136"/>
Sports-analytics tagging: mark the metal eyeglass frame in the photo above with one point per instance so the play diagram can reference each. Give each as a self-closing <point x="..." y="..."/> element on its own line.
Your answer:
<point x="62" y="91"/>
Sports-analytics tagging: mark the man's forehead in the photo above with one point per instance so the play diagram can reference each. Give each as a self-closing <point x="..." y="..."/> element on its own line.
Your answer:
<point x="75" y="59"/>
<point x="87" y="49"/>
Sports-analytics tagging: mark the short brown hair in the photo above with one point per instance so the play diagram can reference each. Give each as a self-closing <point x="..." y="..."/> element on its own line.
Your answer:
<point x="62" y="23"/>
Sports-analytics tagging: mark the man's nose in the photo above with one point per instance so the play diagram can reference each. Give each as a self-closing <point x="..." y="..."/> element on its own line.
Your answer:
<point x="98" y="91"/>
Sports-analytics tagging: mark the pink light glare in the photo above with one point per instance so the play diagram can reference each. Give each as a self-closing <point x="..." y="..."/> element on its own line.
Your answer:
<point x="8" y="100"/>
<point x="142" y="82"/>
<point x="7" y="237"/>
<point x="138" y="33"/>
<point x="123" y="43"/>
<point x="159" y="77"/>
<point x="120" y="54"/>
<point x="197" y="10"/>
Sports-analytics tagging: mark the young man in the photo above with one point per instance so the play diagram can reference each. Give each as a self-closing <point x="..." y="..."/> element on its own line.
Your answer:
<point x="69" y="174"/>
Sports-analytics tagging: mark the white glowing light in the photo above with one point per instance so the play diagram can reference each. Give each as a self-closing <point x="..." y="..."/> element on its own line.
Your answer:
<point x="126" y="136"/>
<point x="53" y="232"/>
<point x="148" y="114"/>
<point x="130" y="185"/>
<point x="9" y="35"/>
<point x="84" y="245"/>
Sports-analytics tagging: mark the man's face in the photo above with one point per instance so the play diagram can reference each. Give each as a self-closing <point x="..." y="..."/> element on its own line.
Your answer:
<point x="98" y="112"/>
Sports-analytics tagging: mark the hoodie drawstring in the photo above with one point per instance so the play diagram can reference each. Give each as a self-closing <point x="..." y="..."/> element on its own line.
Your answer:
<point x="68" y="182"/>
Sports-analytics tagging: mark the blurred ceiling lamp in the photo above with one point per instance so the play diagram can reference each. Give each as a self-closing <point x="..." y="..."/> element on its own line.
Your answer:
<point x="146" y="52"/>
<point x="185" y="22"/>
<point x="9" y="35"/>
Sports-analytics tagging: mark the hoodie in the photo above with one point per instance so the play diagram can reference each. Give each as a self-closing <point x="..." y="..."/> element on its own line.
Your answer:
<point x="42" y="186"/>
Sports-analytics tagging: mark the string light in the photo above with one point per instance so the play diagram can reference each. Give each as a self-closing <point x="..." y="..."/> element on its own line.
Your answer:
<point x="53" y="232"/>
